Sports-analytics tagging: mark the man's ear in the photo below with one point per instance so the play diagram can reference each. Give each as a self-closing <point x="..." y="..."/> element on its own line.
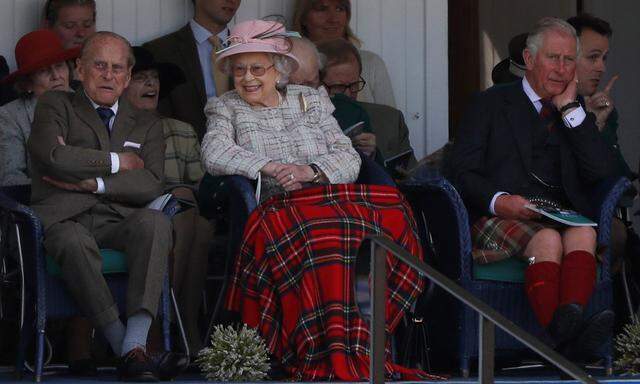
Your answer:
<point x="79" y="70"/>
<point x="128" y="79"/>
<point x="529" y="58"/>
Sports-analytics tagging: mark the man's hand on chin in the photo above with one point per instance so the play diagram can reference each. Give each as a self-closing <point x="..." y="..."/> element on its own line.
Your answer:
<point x="569" y="94"/>
<point x="87" y="185"/>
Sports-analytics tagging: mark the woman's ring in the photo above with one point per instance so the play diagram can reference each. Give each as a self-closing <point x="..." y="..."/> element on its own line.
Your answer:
<point x="606" y="103"/>
<point x="291" y="177"/>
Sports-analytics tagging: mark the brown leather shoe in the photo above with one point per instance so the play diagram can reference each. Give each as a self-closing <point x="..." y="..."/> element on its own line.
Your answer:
<point x="136" y="366"/>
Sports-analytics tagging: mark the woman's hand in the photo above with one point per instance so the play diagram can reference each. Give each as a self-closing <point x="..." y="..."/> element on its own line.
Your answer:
<point x="365" y="142"/>
<point x="271" y="169"/>
<point x="291" y="176"/>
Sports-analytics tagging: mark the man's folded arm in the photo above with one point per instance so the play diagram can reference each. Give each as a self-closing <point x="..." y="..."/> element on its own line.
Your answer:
<point x="63" y="162"/>
<point x="139" y="186"/>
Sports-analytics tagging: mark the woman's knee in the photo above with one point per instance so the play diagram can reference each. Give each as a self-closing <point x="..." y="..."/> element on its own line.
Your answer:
<point x="545" y="245"/>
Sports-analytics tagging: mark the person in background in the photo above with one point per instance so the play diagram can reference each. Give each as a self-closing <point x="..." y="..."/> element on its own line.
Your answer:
<point x="513" y="67"/>
<point x="7" y="93"/>
<point x="192" y="48"/>
<point x="310" y="60"/>
<point x="150" y="81"/>
<point x="526" y="142"/>
<point x="322" y="20"/>
<point x="341" y="77"/>
<point x="347" y="111"/>
<point x="42" y="66"/>
<point x="594" y="34"/>
<point x="72" y="20"/>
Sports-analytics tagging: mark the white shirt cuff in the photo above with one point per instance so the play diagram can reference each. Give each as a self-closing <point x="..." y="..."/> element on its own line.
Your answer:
<point x="492" y="205"/>
<point x="574" y="118"/>
<point x="100" y="189"/>
<point x="115" y="162"/>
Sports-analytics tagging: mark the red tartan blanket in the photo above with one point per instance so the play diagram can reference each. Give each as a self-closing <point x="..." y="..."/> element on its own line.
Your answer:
<point x="293" y="276"/>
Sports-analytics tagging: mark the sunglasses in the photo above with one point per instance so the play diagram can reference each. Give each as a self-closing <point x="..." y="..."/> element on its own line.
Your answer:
<point x="256" y="70"/>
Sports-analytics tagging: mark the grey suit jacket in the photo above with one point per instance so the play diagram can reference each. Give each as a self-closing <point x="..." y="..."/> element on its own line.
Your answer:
<point x="392" y="134"/>
<point x="15" y="127"/>
<point x="186" y="101"/>
<point x="86" y="155"/>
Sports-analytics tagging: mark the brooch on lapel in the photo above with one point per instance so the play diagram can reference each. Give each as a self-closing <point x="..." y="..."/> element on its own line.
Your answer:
<point x="303" y="102"/>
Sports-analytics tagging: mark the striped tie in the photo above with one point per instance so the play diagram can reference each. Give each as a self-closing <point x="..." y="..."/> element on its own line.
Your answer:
<point x="221" y="80"/>
<point x="548" y="114"/>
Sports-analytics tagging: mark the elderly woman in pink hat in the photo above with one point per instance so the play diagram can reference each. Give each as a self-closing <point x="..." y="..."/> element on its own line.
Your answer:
<point x="42" y="67"/>
<point x="283" y="133"/>
<point x="294" y="277"/>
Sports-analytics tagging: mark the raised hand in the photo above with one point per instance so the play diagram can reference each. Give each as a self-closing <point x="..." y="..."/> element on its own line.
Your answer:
<point x="601" y="104"/>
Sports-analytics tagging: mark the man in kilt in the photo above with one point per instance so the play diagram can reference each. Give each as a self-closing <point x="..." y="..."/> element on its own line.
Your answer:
<point x="526" y="141"/>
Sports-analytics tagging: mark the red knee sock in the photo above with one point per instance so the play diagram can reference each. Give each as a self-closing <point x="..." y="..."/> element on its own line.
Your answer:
<point x="577" y="277"/>
<point x="542" y="282"/>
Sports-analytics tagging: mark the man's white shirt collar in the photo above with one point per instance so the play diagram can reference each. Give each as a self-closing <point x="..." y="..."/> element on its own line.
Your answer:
<point x="531" y="94"/>
<point x="114" y="107"/>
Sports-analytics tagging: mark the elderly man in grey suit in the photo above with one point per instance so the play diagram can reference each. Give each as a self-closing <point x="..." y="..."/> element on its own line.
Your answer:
<point x="96" y="162"/>
<point x="192" y="48"/>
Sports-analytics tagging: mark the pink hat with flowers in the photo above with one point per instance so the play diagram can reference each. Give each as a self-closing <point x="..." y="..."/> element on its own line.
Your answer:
<point x="258" y="36"/>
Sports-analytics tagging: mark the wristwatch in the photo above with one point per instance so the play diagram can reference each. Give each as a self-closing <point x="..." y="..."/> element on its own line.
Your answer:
<point x="566" y="107"/>
<point x="317" y="174"/>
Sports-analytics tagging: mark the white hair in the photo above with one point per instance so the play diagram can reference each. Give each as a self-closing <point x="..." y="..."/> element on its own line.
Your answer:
<point x="547" y="24"/>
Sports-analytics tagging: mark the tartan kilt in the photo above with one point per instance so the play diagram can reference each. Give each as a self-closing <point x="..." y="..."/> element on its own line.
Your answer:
<point x="293" y="278"/>
<point x="496" y="239"/>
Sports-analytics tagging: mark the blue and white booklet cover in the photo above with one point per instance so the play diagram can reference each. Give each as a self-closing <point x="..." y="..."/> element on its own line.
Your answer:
<point x="564" y="216"/>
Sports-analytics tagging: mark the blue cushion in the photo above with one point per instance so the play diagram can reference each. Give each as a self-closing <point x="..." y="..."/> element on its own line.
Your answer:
<point x="112" y="262"/>
<point x="509" y="270"/>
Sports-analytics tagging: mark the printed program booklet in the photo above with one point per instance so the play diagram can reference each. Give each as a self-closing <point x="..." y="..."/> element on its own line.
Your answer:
<point x="564" y="216"/>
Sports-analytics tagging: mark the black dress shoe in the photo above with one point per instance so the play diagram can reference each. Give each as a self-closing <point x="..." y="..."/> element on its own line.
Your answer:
<point x="566" y="323"/>
<point x="597" y="330"/>
<point x="136" y="366"/>
<point x="83" y="367"/>
<point x="170" y="364"/>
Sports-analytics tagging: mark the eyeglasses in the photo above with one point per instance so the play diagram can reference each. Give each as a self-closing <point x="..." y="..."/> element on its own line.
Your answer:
<point x="256" y="70"/>
<point x="354" y="87"/>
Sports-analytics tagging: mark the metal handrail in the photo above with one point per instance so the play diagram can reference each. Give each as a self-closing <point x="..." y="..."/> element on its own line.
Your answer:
<point x="488" y="318"/>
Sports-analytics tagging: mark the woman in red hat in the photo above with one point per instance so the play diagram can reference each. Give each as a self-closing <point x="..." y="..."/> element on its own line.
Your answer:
<point x="42" y="67"/>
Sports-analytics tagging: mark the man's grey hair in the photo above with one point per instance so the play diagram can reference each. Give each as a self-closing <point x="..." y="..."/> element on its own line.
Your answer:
<point x="131" y="59"/>
<point x="321" y="59"/>
<point x="547" y="24"/>
<point x="282" y="63"/>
